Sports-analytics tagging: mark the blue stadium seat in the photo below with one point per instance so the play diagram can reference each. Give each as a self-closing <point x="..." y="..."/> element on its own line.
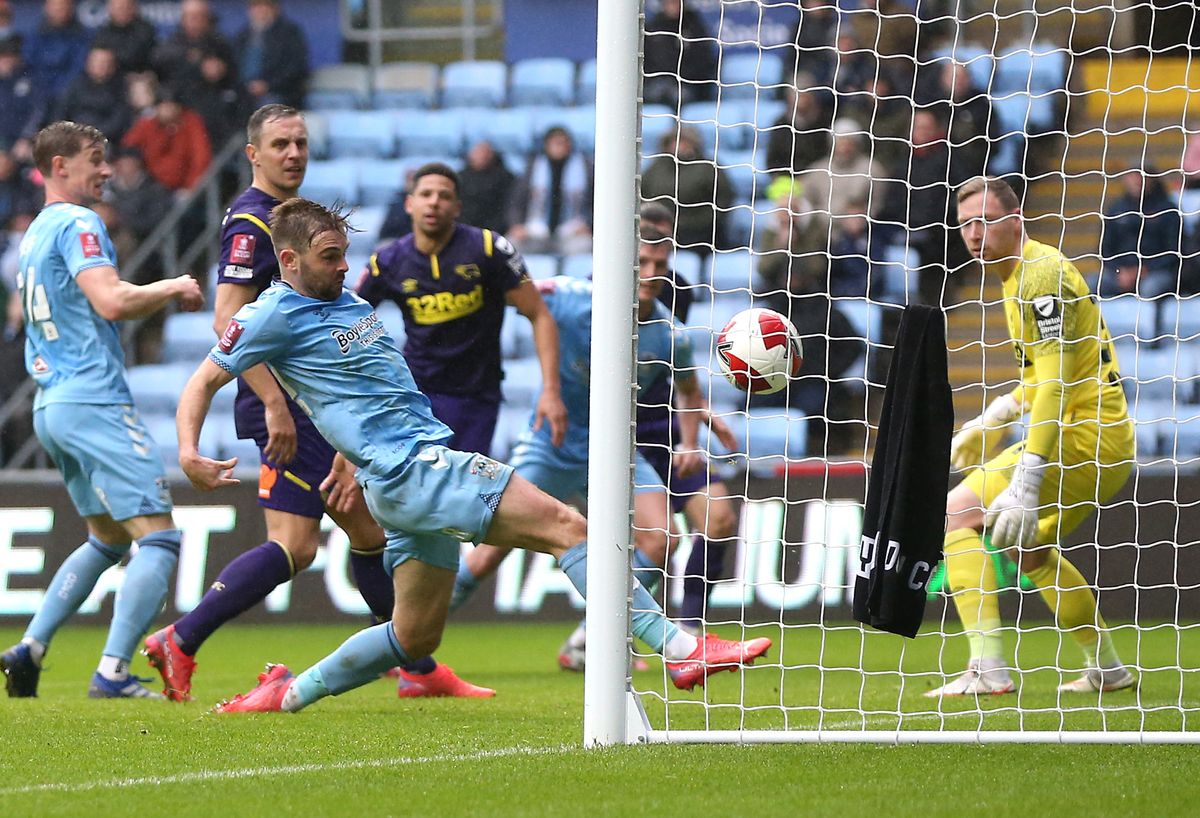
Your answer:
<point x="510" y="130"/>
<point x="439" y="133"/>
<point x="739" y="225"/>
<point x="579" y="121"/>
<point x="393" y="320"/>
<point x="750" y="75"/>
<point x="474" y="83"/>
<point x="522" y="381"/>
<point x="578" y="265"/>
<point x="333" y="87"/>
<point x="517" y="163"/>
<point x="513" y="420"/>
<point x="1150" y="373"/>
<point x="366" y="222"/>
<point x="1121" y="315"/>
<point x="361" y="133"/>
<point x="334" y="180"/>
<point x="1152" y="421"/>
<point x="156" y="387"/>
<point x="585" y="91"/>
<point x="688" y="265"/>
<point x="767" y="438"/>
<point x="543" y="81"/>
<point x="541" y="266"/>
<point x="727" y="123"/>
<point x="405" y="85"/>
<point x="1178" y="317"/>
<point x="657" y="120"/>
<point x="187" y="337"/>
<point x="732" y="271"/>
<point x="380" y="179"/>
<point x="318" y="134"/>
<point x="715" y="314"/>
<point x="221" y="409"/>
<point x="516" y="335"/>
<point x="739" y="169"/>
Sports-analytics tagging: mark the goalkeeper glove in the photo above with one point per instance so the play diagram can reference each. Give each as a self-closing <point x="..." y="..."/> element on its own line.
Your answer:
<point x="974" y="443"/>
<point x="1013" y="515"/>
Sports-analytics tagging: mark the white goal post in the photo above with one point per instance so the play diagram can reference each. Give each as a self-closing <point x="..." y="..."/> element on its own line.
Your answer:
<point x="789" y="573"/>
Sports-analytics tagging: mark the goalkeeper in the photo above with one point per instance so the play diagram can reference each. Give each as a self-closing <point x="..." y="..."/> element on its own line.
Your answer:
<point x="1078" y="451"/>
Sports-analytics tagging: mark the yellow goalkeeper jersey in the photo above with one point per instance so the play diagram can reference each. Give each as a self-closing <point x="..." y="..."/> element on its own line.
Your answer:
<point x="1059" y="335"/>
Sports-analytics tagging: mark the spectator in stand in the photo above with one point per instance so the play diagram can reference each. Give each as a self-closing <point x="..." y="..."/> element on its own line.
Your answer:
<point x="857" y="67"/>
<point x="17" y="193"/>
<point x="139" y="200"/>
<point x="97" y="96"/>
<point x="485" y="186"/>
<point x="22" y="103"/>
<point x="129" y="35"/>
<point x="219" y="99"/>
<point x="56" y="52"/>
<point x="173" y="142"/>
<point x="680" y="63"/>
<point x="795" y="240"/>
<point x="693" y="187"/>
<point x="840" y="183"/>
<point x="831" y="346"/>
<point x="801" y="136"/>
<point x="6" y="22"/>
<point x="1140" y="240"/>
<point x="972" y="130"/>
<point x="551" y="206"/>
<point x="177" y="60"/>
<point x="814" y="36"/>
<point x="273" y="54"/>
<point x="397" y="221"/>
<point x="1191" y="161"/>
<point x="859" y="245"/>
<point x="890" y="118"/>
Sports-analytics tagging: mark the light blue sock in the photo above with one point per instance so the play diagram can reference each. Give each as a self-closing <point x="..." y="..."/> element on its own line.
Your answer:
<point x="141" y="597"/>
<point x="358" y="660"/>
<point x="649" y="624"/>
<point x="71" y="585"/>
<point x="647" y="572"/>
<point x="465" y="584"/>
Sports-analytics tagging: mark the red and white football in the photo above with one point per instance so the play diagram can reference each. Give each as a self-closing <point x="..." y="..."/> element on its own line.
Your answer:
<point x="759" y="350"/>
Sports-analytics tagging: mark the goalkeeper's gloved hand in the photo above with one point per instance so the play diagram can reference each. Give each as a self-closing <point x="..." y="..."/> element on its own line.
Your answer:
<point x="974" y="443"/>
<point x="1013" y="515"/>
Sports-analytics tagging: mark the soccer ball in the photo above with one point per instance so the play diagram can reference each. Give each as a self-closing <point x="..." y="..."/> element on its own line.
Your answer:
<point x="759" y="350"/>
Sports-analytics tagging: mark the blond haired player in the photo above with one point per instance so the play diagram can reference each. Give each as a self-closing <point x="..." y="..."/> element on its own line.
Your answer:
<point x="1078" y="450"/>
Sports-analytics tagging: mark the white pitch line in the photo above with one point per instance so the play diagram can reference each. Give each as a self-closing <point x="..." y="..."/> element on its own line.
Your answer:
<point x="288" y="769"/>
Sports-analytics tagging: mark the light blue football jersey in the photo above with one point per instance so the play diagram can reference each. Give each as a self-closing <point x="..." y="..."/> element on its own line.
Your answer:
<point x="664" y="353"/>
<point x="570" y="302"/>
<point x="341" y="367"/>
<point x="72" y="353"/>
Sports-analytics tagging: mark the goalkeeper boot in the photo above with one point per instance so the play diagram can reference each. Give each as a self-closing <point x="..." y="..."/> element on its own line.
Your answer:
<point x="441" y="682"/>
<point x="1101" y="680"/>
<point x="130" y="687"/>
<point x="982" y="678"/>
<point x="175" y="666"/>
<point x="267" y="695"/>
<point x="712" y="655"/>
<point x="21" y="672"/>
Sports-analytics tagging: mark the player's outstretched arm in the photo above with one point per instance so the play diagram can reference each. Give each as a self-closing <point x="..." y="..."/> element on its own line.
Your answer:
<point x="978" y="437"/>
<point x="204" y="472"/>
<point x="550" y="407"/>
<point x="281" y="428"/>
<point x="116" y="300"/>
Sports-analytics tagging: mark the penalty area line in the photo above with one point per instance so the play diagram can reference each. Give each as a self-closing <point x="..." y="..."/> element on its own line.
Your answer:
<point x="249" y="773"/>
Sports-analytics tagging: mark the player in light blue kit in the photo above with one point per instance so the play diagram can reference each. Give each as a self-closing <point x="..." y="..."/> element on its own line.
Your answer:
<point x="84" y="415"/>
<point x="329" y="350"/>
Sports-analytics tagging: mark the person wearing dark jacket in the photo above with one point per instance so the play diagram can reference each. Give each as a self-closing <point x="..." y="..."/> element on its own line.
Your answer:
<point x="273" y="56"/>
<point x="680" y="63"/>
<point x="219" y="99"/>
<point x="129" y="35"/>
<point x="55" y="53"/>
<point x="1140" y="242"/>
<point x="22" y="103"/>
<point x="97" y="96"/>
<point x="177" y="60"/>
<point x="139" y="200"/>
<point x="485" y="186"/>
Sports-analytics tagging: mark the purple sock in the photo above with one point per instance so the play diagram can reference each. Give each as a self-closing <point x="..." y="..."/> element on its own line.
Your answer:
<point x="240" y="586"/>
<point x="703" y="567"/>
<point x="373" y="583"/>
<point x="421" y="666"/>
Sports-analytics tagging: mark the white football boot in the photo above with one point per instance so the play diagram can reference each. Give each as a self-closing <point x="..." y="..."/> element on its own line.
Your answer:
<point x="983" y="677"/>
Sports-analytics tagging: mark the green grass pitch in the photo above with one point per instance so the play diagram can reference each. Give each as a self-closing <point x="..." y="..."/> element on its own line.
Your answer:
<point x="368" y="753"/>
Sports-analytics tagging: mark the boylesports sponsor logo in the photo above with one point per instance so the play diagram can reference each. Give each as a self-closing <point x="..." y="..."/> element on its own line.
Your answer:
<point x="366" y="331"/>
<point x="438" y="308"/>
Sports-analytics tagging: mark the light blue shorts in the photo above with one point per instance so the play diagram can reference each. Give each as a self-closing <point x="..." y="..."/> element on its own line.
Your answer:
<point x="563" y="476"/>
<point x="440" y="498"/>
<point x="108" y="459"/>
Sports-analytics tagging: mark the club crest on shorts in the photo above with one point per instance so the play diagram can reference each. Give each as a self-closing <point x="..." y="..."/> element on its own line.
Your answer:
<point x="485" y="467"/>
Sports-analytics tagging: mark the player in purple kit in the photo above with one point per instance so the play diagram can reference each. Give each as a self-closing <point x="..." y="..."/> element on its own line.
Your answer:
<point x="297" y="462"/>
<point x="452" y="283"/>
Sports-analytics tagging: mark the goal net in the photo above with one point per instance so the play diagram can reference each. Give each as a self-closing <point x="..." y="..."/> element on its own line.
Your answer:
<point x="808" y="154"/>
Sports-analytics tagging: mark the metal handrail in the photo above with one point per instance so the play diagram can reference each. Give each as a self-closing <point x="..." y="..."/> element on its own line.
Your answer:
<point x="375" y="34"/>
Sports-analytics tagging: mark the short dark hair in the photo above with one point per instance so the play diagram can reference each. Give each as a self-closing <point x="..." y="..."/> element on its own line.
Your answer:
<point x="296" y="222"/>
<point x="649" y="234"/>
<point x="265" y="114"/>
<point x="656" y="213"/>
<point x="63" y="138"/>
<point x="436" y="169"/>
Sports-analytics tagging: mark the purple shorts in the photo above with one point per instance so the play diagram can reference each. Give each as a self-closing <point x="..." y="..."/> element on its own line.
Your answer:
<point x="294" y="488"/>
<point x="679" y="489"/>
<point x="472" y="419"/>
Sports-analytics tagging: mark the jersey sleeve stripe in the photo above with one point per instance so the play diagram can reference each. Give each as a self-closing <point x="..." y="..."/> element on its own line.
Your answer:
<point x="374" y="262"/>
<point x="487" y="243"/>
<point x="255" y="220"/>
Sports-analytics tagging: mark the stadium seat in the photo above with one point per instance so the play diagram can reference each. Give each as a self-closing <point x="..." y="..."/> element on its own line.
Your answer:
<point x="318" y="134"/>
<point x="366" y="222"/>
<point x="474" y="83"/>
<point x="585" y="91"/>
<point x="187" y="337"/>
<point x="522" y="381"/>
<point x="223" y="401"/>
<point x="1150" y="373"/>
<point x="361" y="133"/>
<point x="356" y="263"/>
<point x="333" y="87"/>
<point x="740" y="170"/>
<point x="578" y="265"/>
<point x="516" y="335"/>
<point x="1121" y="315"/>
<point x="579" y="121"/>
<point x="541" y="266"/>
<point x="439" y="133"/>
<point x="513" y="420"/>
<point x="156" y="387"/>
<point x="724" y="305"/>
<point x="739" y="225"/>
<point x="1178" y="317"/>
<point x="393" y="321"/>
<point x="750" y="75"/>
<point x="509" y="131"/>
<point x="334" y="180"/>
<point x="728" y="123"/>
<point x="731" y="271"/>
<point x="656" y="121"/>
<point x="688" y="264"/>
<point x="405" y="85"/>
<point x="543" y="81"/>
<point x="1153" y="422"/>
<point x="380" y="179"/>
<point x="767" y="438"/>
